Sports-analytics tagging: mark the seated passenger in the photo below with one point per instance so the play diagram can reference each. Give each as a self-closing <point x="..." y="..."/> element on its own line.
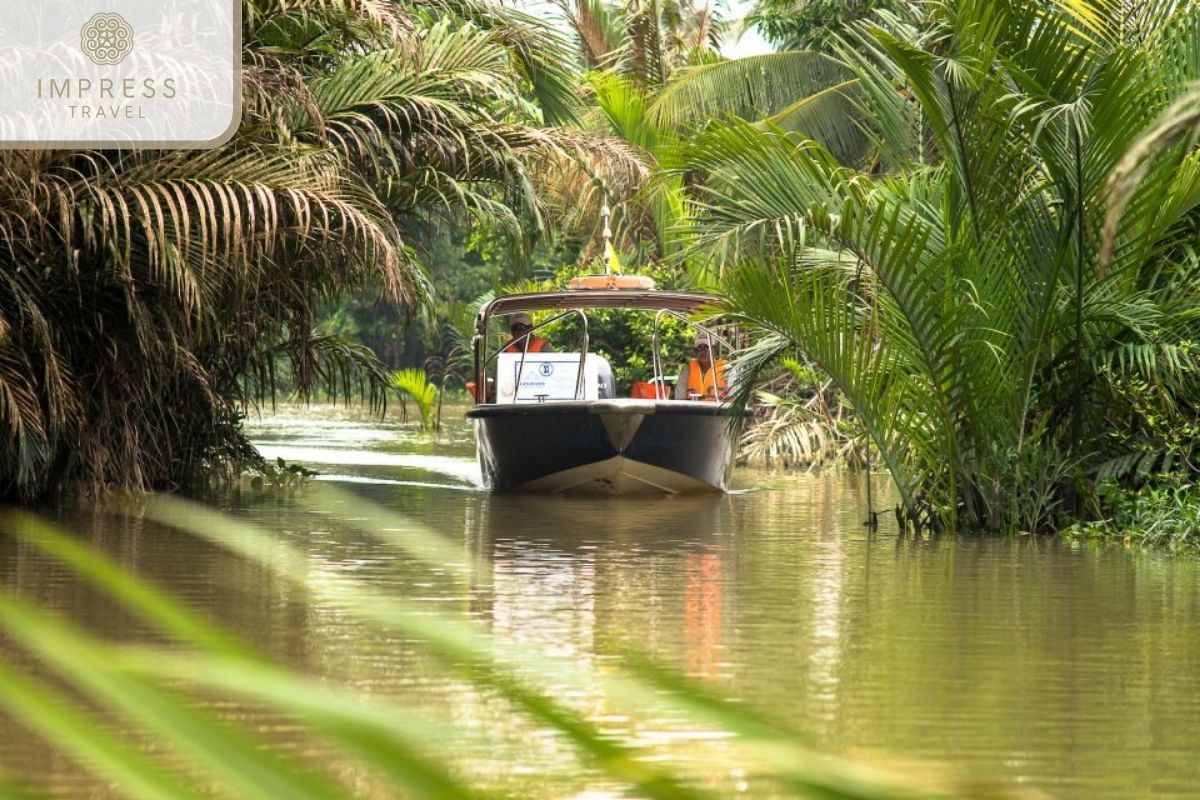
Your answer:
<point x="518" y="326"/>
<point x="702" y="379"/>
<point x="604" y="375"/>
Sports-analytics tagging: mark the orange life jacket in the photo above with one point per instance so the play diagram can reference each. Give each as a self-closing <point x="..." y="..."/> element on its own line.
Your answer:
<point x="704" y="385"/>
<point x="536" y="345"/>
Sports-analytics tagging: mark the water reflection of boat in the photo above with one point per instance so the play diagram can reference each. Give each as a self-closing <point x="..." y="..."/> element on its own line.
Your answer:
<point x="550" y="423"/>
<point x="582" y="562"/>
<point x="573" y="524"/>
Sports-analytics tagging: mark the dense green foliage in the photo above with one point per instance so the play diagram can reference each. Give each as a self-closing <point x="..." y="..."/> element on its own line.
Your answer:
<point x="970" y="225"/>
<point x="974" y="329"/>
<point x="1162" y="512"/>
<point x="148" y="296"/>
<point x="810" y="24"/>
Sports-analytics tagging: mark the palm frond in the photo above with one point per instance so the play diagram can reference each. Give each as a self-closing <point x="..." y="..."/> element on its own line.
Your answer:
<point x="751" y="88"/>
<point x="602" y="37"/>
<point x="414" y="383"/>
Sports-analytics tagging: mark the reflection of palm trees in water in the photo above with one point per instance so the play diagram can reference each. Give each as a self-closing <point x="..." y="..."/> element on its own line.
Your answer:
<point x="703" y="610"/>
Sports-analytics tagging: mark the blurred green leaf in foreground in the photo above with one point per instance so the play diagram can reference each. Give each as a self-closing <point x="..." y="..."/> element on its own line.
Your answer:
<point x="142" y="720"/>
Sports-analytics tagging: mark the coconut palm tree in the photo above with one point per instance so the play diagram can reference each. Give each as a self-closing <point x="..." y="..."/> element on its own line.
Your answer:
<point x="147" y="296"/>
<point x="657" y="80"/>
<point x="974" y="327"/>
<point x="809" y="24"/>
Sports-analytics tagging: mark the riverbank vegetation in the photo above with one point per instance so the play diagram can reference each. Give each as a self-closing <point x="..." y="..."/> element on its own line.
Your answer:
<point x="962" y="234"/>
<point x="147" y="297"/>
<point x="984" y="336"/>
<point x="1162" y="512"/>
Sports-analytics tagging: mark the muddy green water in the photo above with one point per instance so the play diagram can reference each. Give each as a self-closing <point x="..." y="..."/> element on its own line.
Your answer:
<point x="1069" y="670"/>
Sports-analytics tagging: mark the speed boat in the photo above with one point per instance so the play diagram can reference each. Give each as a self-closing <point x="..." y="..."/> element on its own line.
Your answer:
<point x="553" y="422"/>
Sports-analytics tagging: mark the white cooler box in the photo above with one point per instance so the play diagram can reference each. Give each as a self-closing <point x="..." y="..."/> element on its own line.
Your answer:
<point x="547" y="376"/>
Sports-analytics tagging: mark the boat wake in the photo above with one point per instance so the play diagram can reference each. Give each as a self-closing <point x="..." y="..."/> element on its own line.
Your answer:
<point x="463" y="470"/>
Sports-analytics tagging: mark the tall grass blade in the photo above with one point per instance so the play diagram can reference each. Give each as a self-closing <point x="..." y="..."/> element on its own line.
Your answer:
<point x="87" y="740"/>
<point x="397" y="743"/>
<point x="460" y="647"/>
<point x="233" y="755"/>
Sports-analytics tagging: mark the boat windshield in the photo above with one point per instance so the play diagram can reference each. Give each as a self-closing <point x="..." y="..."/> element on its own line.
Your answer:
<point x="548" y="347"/>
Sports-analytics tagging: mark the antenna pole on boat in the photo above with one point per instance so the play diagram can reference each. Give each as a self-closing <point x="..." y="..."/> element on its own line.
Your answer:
<point x="605" y="213"/>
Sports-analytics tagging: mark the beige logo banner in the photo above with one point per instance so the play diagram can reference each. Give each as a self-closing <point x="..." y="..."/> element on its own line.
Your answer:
<point x="119" y="73"/>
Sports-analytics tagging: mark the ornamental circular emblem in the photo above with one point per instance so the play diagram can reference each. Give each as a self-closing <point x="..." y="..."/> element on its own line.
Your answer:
<point x="546" y="369"/>
<point x="106" y="38"/>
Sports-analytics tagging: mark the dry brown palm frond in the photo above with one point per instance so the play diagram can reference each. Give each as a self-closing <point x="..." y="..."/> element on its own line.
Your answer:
<point x="801" y="429"/>
<point x="145" y="296"/>
<point x="577" y="172"/>
<point x="265" y="79"/>
<point x="602" y="38"/>
<point x="25" y="445"/>
<point x="228" y="209"/>
<point x="382" y="13"/>
<point x="1178" y="125"/>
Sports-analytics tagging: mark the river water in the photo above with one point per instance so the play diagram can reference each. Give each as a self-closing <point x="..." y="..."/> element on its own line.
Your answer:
<point x="1030" y="662"/>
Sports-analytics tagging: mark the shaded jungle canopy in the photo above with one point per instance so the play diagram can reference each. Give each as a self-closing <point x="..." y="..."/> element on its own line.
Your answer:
<point x="911" y="206"/>
<point x="148" y="296"/>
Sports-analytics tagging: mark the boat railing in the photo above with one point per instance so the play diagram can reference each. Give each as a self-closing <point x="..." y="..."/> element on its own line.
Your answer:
<point x="656" y="353"/>
<point x="525" y="339"/>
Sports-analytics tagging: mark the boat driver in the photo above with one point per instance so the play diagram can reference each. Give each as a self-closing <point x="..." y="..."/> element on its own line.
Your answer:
<point x="704" y="378"/>
<point x="518" y="326"/>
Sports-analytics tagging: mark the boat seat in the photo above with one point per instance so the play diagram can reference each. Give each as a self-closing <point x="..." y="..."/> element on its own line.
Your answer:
<point x="646" y="390"/>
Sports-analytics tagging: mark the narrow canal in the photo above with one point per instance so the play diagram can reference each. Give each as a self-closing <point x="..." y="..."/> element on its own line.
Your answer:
<point x="1037" y="664"/>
